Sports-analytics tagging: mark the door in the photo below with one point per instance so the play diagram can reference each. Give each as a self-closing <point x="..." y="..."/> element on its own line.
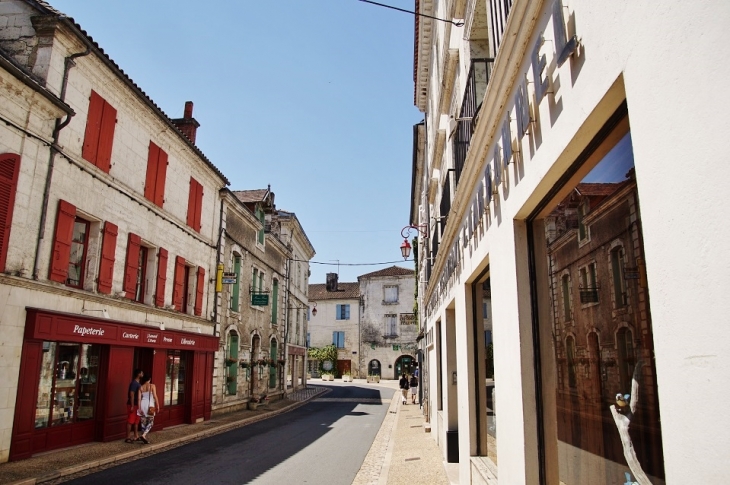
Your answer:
<point x="343" y="366"/>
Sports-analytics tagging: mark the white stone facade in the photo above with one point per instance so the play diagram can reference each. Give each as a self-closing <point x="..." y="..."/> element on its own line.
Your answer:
<point x="616" y="64"/>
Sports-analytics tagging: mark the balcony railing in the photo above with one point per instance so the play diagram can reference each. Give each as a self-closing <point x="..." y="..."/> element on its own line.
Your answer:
<point x="476" y="86"/>
<point x="499" y="11"/>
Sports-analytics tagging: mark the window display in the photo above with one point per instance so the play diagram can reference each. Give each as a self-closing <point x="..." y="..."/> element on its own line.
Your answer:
<point x="602" y="423"/>
<point x="175" y="378"/>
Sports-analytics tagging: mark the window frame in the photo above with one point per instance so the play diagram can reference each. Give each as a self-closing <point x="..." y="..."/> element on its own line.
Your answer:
<point x="84" y="253"/>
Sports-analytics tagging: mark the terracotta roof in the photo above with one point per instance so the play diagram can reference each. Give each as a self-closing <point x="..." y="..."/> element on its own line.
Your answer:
<point x="256" y="195"/>
<point x="46" y="8"/>
<point x="345" y="291"/>
<point x="392" y="271"/>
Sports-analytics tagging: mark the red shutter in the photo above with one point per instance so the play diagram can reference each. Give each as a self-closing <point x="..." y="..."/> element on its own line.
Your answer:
<point x="198" y="207"/>
<point x="191" y="202"/>
<point x="62" y="241"/>
<point x="178" y="283"/>
<point x="106" y="138"/>
<point x="93" y="127"/>
<point x="108" y="255"/>
<point x="161" y="277"/>
<point x="132" y="265"/>
<point x="198" y="309"/>
<point x="9" y="168"/>
<point x="161" y="177"/>
<point x="152" y="168"/>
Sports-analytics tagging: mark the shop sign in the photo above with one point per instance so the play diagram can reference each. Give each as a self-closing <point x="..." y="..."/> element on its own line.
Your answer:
<point x="260" y="299"/>
<point x="187" y="341"/>
<point x="229" y="278"/>
<point x="133" y="336"/>
<point x="152" y="337"/>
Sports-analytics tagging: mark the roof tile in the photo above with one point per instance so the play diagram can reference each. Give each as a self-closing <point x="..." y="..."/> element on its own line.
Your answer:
<point x="345" y="291"/>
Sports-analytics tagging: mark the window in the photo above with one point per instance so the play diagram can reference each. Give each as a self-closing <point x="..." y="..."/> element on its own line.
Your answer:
<point x="141" y="272"/>
<point x="338" y="339"/>
<point x="342" y="312"/>
<point x="391" y="294"/>
<point x="626" y="358"/>
<point x="566" y="297"/>
<point x="236" y="288"/>
<point x="275" y="302"/>
<point x="9" y="169"/>
<point x="199" y="291"/>
<point x="175" y="378"/>
<point x="195" y="204"/>
<point x="232" y="366"/>
<point x="617" y="270"/>
<point x="391" y="325"/>
<point x="134" y="269"/>
<point x="77" y="257"/>
<point x="485" y="310"/>
<point x="154" y="188"/>
<point x="99" y="136"/>
<point x="588" y="287"/>
<point x="308" y="339"/>
<point x="181" y="285"/>
<point x="161" y="277"/>
<point x="254" y="280"/>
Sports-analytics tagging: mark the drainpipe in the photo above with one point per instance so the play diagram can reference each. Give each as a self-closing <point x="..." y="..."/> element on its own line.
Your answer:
<point x="68" y="63"/>
<point x="286" y="328"/>
<point x="217" y="326"/>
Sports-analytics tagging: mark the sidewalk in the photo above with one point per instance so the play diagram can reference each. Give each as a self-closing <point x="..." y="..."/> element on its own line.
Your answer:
<point x="402" y="453"/>
<point x="61" y="465"/>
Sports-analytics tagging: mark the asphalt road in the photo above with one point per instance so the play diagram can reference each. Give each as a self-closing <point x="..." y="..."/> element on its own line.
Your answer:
<point x="323" y="442"/>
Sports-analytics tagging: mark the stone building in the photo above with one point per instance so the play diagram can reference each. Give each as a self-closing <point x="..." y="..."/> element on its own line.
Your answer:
<point x="388" y="327"/>
<point x="110" y="222"/>
<point x="336" y="321"/>
<point x="567" y="171"/>
<point x="260" y="248"/>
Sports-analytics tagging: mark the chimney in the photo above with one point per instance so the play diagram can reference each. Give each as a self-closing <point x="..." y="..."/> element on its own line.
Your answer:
<point x="331" y="281"/>
<point x="187" y="124"/>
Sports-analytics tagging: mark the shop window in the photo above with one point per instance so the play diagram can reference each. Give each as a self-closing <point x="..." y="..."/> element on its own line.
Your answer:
<point x="617" y="272"/>
<point x="232" y="364"/>
<point x="77" y="255"/>
<point x="175" y="377"/>
<point x="391" y="295"/>
<point x="587" y="411"/>
<point x="67" y="385"/>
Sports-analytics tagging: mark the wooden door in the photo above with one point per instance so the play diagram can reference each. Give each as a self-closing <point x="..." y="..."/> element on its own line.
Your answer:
<point x="343" y="366"/>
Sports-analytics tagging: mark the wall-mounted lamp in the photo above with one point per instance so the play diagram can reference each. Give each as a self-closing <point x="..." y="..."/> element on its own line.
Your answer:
<point x="104" y="312"/>
<point x="314" y="309"/>
<point x="405" y="248"/>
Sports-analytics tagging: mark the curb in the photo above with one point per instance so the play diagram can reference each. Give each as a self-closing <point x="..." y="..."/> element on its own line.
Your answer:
<point x="151" y="449"/>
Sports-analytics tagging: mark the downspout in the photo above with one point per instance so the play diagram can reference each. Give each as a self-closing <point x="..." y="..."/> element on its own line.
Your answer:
<point x="286" y="327"/>
<point x="217" y="325"/>
<point x="68" y="63"/>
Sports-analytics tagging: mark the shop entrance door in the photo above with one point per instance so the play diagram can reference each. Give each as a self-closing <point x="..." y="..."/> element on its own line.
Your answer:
<point x="404" y="364"/>
<point x="343" y="366"/>
<point x="143" y="360"/>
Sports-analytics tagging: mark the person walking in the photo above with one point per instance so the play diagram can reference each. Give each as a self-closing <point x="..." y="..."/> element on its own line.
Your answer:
<point x="132" y="406"/>
<point x="149" y="405"/>
<point x="403" y="383"/>
<point x="413" y="384"/>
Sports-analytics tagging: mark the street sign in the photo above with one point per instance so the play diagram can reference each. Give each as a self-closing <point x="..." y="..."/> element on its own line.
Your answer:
<point x="229" y="278"/>
<point x="260" y="299"/>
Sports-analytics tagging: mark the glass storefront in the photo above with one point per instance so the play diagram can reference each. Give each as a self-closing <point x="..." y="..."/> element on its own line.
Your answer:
<point x="175" y="377"/>
<point x="601" y="409"/>
<point x="67" y="385"/>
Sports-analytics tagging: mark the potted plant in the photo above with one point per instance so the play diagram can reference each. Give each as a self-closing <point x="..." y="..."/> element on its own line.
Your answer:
<point x="347" y="376"/>
<point x="373" y="378"/>
<point x="231" y="361"/>
<point x="328" y="377"/>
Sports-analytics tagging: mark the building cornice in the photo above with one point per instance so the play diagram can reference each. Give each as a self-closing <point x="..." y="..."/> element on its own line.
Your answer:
<point x="422" y="53"/>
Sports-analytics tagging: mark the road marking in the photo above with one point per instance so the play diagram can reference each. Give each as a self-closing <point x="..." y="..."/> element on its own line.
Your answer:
<point x="352" y="399"/>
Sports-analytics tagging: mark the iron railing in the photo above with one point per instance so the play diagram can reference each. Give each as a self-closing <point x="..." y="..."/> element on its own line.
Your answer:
<point x="476" y="86"/>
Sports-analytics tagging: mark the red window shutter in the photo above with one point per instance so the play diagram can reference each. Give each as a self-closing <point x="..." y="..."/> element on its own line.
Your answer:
<point x="9" y="168"/>
<point x="161" y="177"/>
<point x="62" y="241"/>
<point x="198" y="309"/>
<point x="108" y="256"/>
<point x="178" y="283"/>
<point x="198" y="207"/>
<point x="106" y="138"/>
<point x="93" y="128"/>
<point x="152" y="167"/>
<point x="191" y="202"/>
<point x="161" y="277"/>
<point x="132" y="265"/>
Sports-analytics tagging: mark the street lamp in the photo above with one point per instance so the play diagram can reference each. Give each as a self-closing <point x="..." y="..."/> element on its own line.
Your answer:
<point x="314" y="310"/>
<point x="405" y="247"/>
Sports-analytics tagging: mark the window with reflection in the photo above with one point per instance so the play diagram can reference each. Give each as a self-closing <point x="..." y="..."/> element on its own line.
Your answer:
<point x="77" y="256"/>
<point x="600" y="382"/>
<point x="175" y="377"/>
<point x="67" y="385"/>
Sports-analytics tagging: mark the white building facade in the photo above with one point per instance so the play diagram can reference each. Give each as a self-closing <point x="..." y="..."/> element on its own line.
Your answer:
<point x="554" y="153"/>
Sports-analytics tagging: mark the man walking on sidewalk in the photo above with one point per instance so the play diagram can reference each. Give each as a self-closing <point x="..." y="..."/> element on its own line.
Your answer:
<point x="414" y="388"/>
<point x="403" y="383"/>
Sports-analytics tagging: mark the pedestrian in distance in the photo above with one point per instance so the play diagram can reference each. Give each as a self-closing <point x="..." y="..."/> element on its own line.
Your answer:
<point x="413" y="384"/>
<point x="149" y="405"/>
<point x="133" y="406"/>
<point x="403" y="383"/>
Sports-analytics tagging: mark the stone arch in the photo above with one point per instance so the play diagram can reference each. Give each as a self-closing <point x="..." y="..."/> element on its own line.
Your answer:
<point x="374" y="368"/>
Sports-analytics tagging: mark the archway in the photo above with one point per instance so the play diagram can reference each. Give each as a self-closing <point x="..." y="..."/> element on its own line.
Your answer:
<point x="404" y="364"/>
<point x="374" y="368"/>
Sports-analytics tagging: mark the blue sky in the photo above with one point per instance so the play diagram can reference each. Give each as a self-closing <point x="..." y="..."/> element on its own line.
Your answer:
<point x="314" y="97"/>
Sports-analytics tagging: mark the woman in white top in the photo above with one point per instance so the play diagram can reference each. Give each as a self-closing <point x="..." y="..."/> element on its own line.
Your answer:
<point x="149" y="405"/>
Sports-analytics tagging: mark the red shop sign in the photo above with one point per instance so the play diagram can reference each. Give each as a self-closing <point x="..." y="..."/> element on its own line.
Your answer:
<point x="68" y="327"/>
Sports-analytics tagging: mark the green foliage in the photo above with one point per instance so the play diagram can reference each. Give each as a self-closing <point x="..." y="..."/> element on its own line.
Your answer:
<point x="328" y="352"/>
